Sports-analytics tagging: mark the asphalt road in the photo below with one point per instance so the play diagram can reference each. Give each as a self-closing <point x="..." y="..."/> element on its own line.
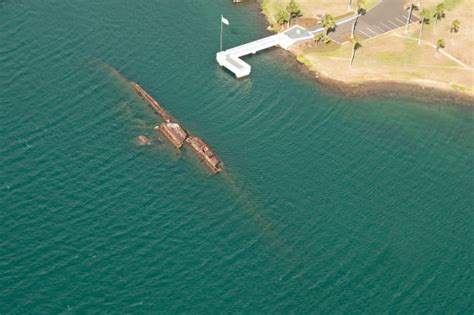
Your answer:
<point x="384" y="17"/>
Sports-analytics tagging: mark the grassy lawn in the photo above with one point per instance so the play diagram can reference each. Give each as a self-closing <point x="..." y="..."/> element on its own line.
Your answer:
<point x="458" y="44"/>
<point x="391" y="57"/>
<point x="388" y="58"/>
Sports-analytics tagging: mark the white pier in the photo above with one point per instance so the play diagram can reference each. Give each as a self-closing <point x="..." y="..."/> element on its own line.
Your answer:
<point x="230" y="58"/>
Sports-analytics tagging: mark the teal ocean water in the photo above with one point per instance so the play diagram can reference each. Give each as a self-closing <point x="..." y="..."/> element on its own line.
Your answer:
<point x="328" y="204"/>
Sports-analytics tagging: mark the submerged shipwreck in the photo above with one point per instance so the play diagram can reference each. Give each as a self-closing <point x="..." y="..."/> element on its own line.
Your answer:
<point x="206" y="154"/>
<point x="174" y="132"/>
<point x="177" y="135"/>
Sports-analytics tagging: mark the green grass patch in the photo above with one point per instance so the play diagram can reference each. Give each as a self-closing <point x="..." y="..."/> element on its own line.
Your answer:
<point x="448" y="4"/>
<point x="272" y="7"/>
<point x="389" y="57"/>
<point x="458" y="87"/>
<point x="408" y="76"/>
<point x="302" y="59"/>
<point x="333" y="51"/>
<point x="322" y="48"/>
<point x="451" y="4"/>
<point x="369" y="4"/>
<point x="407" y="56"/>
<point x="264" y="6"/>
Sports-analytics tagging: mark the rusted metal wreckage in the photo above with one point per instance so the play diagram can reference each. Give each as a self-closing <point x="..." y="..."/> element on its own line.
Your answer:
<point x="177" y="135"/>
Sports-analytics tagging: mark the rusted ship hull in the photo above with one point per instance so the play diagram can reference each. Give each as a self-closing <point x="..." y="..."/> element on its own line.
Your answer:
<point x="153" y="103"/>
<point x="174" y="132"/>
<point x="177" y="135"/>
<point x="205" y="153"/>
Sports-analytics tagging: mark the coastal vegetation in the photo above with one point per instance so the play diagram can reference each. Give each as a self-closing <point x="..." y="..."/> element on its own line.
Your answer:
<point x="439" y="45"/>
<point x="455" y="26"/>
<point x="360" y="10"/>
<point x="311" y="9"/>
<point x="293" y="10"/>
<point x="322" y="38"/>
<point x="416" y="53"/>
<point x="355" y="42"/>
<point x="438" y="14"/>
<point x="410" y="8"/>
<point x="424" y="19"/>
<point x="329" y="23"/>
<point x="282" y="17"/>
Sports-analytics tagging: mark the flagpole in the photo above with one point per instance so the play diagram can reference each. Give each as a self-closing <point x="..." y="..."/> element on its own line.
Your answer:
<point x="222" y="27"/>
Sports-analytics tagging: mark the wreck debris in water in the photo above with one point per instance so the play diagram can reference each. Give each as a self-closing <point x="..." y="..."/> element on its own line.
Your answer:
<point x="177" y="135"/>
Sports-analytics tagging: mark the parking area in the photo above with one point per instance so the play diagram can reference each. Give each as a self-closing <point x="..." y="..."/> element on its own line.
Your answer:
<point x="384" y="17"/>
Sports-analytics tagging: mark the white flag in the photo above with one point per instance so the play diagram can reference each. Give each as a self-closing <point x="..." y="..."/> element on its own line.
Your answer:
<point x="224" y="20"/>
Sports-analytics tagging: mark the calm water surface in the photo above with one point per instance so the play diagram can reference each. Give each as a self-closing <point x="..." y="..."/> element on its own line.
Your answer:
<point x="328" y="203"/>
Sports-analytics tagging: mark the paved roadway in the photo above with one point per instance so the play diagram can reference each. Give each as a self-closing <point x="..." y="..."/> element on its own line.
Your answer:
<point x="384" y="17"/>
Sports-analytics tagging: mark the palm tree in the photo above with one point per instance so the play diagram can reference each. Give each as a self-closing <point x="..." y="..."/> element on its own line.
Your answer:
<point x="412" y="6"/>
<point x="321" y="37"/>
<point x="455" y="26"/>
<point x="318" y="37"/>
<point x="425" y="18"/>
<point x="282" y="17"/>
<point x="329" y="23"/>
<point x="438" y="14"/>
<point x="359" y="11"/>
<point x="293" y="11"/>
<point x="361" y="7"/>
<point x="355" y="45"/>
<point x="439" y="45"/>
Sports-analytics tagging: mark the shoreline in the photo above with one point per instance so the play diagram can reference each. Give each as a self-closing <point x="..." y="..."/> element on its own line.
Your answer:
<point x="392" y="88"/>
<point x="413" y="90"/>
<point x="410" y="91"/>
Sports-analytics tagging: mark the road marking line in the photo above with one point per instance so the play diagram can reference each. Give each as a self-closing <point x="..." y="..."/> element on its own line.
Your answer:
<point x="400" y="21"/>
<point x="364" y="33"/>
<point x="383" y="24"/>
<point x="378" y="28"/>
<point x="370" y="30"/>
<point x="395" y="25"/>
